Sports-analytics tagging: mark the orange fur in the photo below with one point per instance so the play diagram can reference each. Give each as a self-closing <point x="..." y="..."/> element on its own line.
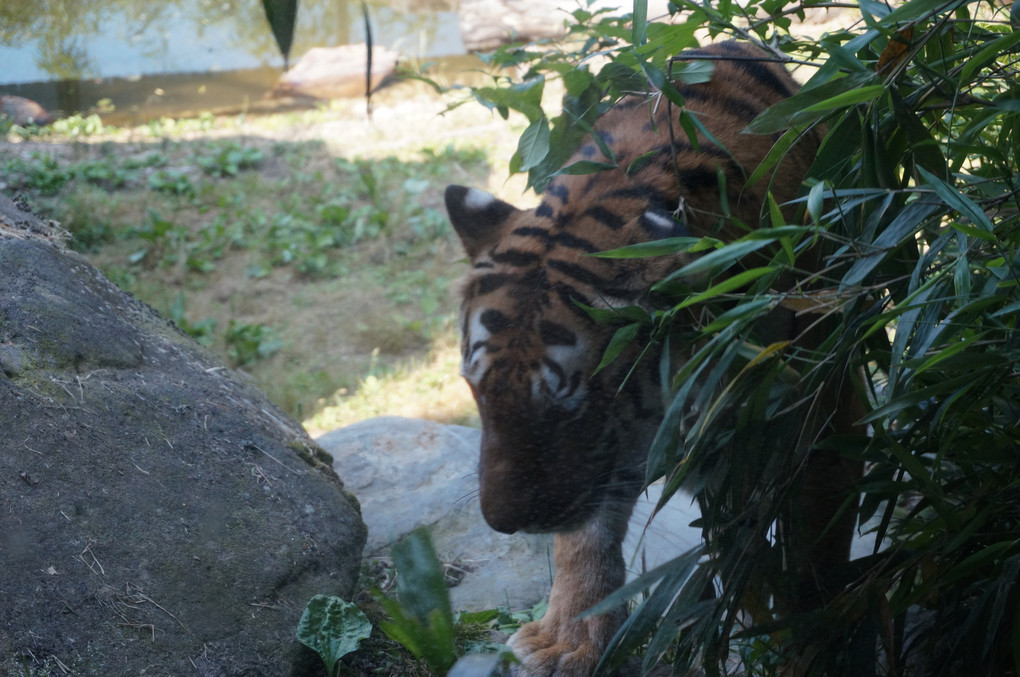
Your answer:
<point x="562" y="449"/>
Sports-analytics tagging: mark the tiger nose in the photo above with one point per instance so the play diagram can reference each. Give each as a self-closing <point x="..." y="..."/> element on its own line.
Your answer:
<point x="517" y="491"/>
<point x="507" y="502"/>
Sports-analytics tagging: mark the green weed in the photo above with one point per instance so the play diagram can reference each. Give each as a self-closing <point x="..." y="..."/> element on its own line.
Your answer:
<point x="419" y="618"/>
<point x="333" y="628"/>
<point x="229" y="159"/>
<point x="79" y="126"/>
<point x="202" y="331"/>
<point x="173" y="182"/>
<point x="342" y="255"/>
<point x="247" y="343"/>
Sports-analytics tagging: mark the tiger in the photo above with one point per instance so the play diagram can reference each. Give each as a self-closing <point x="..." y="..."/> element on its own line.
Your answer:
<point x="563" y="448"/>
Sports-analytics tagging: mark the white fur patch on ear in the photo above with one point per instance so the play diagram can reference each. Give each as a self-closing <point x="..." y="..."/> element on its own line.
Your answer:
<point x="478" y="200"/>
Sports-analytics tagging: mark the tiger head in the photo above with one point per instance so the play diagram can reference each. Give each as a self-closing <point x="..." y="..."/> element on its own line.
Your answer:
<point x="551" y="453"/>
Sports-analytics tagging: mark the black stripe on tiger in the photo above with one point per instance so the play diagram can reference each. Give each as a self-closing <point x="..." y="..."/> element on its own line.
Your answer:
<point x="652" y="196"/>
<point x="737" y="105"/>
<point x="558" y="190"/>
<point x="759" y="70"/>
<point x="591" y="279"/>
<point x="663" y="159"/>
<point x="570" y="298"/>
<point x="556" y="334"/>
<point x="493" y="281"/>
<point x="696" y="179"/>
<point x="535" y="232"/>
<point x="604" y="216"/>
<point x="573" y="242"/>
<point x="515" y="257"/>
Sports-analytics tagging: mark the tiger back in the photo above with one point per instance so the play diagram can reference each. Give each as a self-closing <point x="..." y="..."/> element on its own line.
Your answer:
<point x="563" y="447"/>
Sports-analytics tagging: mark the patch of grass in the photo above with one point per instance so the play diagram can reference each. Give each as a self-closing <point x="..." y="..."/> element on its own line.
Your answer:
<point x="429" y="387"/>
<point x="321" y="266"/>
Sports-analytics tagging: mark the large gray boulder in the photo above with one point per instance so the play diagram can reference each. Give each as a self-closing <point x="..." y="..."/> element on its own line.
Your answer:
<point x="410" y="473"/>
<point x="157" y="514"/>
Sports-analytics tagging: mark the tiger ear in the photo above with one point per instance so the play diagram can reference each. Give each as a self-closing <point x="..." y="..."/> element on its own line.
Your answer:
<point x="477" y="216"/>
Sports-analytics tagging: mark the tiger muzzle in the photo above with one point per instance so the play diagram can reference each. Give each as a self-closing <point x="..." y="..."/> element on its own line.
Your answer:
<point x="529" y="482"/>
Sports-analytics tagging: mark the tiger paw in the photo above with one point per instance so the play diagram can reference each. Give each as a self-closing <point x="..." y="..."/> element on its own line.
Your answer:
<point x="562" y="647"/>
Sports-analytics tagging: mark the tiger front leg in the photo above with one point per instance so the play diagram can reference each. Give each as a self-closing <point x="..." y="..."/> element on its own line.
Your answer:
<point x="589" y="566"/>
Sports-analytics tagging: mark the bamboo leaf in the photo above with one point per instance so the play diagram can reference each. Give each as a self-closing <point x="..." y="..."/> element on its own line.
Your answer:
<point x="957" y="201"/>
<point x="623" y="337"/>
<point x="715" y="261"/>
<point x="907" y="222"/>
<point x="585" y="167"/>
<point x="844" y="99"/>
<point x="729" y="284"/>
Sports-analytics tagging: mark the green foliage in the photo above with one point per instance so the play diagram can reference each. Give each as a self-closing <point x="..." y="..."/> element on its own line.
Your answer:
<point x="227" y="221"/>
<point x="202" y="330"/>
<point x="422" y="619"/>
<point x="914" y="201"/>
<point x="173" y="182"/>
<point x="333" y="628"/>
<point x="229" y="159"/>
<point x="247" y="343"/>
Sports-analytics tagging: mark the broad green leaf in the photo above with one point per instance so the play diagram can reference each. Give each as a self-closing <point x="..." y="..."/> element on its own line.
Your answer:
<point x="814" y="201"/>
<point x="639" y="22"/>
<point x="422" y="618"/>
<point x="915" y="9"/>
<point x="668" y="39"/>
<point x="420" y="581"/>
<point x="640" y="162"/>
<point x="742" y="311"/>
<point x="989" y="55"/>
<point x="627" y="313"/>
<point x="332" y="627"/>
<point x="776" y="154"/>
<point x="534" y="144"/>
<point x="525" y="99"/>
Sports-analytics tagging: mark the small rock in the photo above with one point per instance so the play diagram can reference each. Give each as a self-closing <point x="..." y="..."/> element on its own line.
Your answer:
<point x="22" y="111"/>
<point x="335" y="72"/>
